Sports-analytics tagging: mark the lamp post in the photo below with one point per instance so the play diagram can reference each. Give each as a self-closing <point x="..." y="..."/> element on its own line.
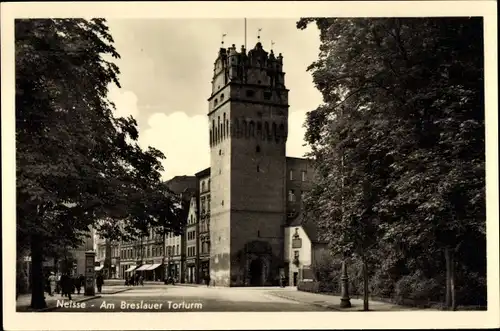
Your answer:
<point x="345" y="301"/>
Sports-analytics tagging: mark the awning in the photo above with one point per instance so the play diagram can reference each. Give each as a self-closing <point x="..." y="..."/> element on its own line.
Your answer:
<point x="154" y="266"/>
<point x="131" y="268"/>
<point x="99" y="268"/>
<point x="143" y="267"/>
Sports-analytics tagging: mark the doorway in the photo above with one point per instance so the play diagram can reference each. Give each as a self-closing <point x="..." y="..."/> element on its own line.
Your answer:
<point x="256" y="269"/>
<point x="295" y="277"/>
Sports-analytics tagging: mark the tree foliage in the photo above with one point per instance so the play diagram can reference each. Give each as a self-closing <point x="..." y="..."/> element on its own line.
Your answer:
<point x="404" y="108"/>
<point x="76" y="162"/>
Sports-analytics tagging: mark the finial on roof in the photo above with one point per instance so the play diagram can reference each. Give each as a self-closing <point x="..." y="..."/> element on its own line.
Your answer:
<point x="272" y="44"/>
<point x="223" y="35"/>
<point x="258" y="33"/>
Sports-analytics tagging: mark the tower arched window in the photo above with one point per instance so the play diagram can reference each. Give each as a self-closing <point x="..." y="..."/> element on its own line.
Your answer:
<point x="215" y="103"/>
<point x="218" y="129"/>
<point x="245" y="129"/>
<point x="210" y="137"/>
<point x="221" y="97"/>
<point x="213" y="132"/>
<point x="251" y="129"/>
<point x="236" y="127"/>
<point x="266" y="130"/>
<point x="259" y="129"/>
<point x="224" y="126"/>
<point x="227" y="128"/>
<point x="282" y="132"/>
<point x="275" y="133"/>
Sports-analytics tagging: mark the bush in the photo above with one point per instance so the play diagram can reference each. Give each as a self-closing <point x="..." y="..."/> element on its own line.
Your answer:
<point x="312" y="287"/>
<point x="417" y="288"/>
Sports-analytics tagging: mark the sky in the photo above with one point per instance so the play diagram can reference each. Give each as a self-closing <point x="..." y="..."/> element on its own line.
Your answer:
<point x="166" y="68"/>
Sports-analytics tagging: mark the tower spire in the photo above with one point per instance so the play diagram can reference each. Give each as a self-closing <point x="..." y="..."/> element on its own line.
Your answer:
<point x="272" y="44"/>
<point x="222" y="41"/>
<point x="258" y="34"/>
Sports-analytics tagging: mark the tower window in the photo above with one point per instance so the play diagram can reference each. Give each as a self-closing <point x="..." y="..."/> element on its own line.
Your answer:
<point x="257" y="149"/>
<point x="222" y="97"/>
<point x="250" y="93"/>
<point x="291" y="174"/>
<point x="267" y="95"/>
<point x="222" y="203"/>
<point x="220" y="152"/>
<point x="215" y="102"/>
<point x="303" y="173"/>
<point x="291" y="196"/>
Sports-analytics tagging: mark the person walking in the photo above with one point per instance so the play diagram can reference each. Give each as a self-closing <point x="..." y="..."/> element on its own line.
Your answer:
<point x="79" y="281"/>
<point x="52" y="283"/>
<point x="207" y="279"/>
<point x="99" y="282"/>
<point x="66" y="285"/>
<point x="58" y="283"/>
<point x="141" y="280"/>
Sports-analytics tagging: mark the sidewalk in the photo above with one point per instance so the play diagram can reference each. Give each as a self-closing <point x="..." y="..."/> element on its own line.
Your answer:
<point x="333" y="302"/>
<point x="23" y="302"/>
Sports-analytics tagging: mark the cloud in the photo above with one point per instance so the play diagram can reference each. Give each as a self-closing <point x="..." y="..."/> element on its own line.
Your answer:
<point x="183" y="139"/>
<point x="125" y="102"/>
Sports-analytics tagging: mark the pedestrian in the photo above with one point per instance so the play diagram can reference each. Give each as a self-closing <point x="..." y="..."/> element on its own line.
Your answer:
<point x="79" y="281"/>
<point x="52" y="283"/>
<point x="58" y="283"/>
<point x="141" y="280"/>
<point x="207" y="279"/>
<point x="66" y="285"/>
<point x="99" y="282"/>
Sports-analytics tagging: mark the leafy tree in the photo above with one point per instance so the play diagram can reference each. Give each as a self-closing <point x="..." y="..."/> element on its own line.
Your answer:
<point x="403" y="107"/>
<point x="76" y="162"/>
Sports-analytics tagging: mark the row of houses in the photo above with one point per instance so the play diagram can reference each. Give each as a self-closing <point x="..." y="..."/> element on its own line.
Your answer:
<point x="186" y="257"/>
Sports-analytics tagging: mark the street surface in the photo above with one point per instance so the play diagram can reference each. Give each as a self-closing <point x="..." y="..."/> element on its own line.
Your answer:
<point x="163" y="298"/>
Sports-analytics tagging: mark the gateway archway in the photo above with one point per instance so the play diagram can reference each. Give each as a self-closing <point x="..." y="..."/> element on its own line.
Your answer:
<point x="256" y="272"/>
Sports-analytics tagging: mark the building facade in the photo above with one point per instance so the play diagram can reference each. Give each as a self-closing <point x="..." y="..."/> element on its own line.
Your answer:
<point x="242" y="213"/>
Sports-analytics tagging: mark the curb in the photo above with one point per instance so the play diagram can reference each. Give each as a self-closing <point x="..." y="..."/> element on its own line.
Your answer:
<point x="323" y="305"/>
<point x="55" y="307"/>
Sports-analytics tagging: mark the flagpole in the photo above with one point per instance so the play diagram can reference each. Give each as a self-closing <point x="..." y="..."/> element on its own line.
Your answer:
<point x="245" y="33"/>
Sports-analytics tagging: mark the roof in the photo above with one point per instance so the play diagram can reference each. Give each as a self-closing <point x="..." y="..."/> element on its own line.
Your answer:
<point x="203" y="173"/>
<point x="309" y="227"/>
<point x="179" y="184"/>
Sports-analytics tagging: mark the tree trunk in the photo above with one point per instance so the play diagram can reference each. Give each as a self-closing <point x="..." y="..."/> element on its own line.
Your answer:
<point x="37" y="276"/>
<point x="365" y="286"/>
<point x="448" y="276"/>
<point x="452" y="280"/>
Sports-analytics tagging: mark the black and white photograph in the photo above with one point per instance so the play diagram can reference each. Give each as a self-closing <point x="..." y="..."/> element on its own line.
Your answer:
<point x="231" y="158"/>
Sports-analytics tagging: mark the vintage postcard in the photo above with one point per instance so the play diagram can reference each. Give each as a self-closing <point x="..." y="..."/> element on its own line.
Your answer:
<point x="248" y="165"/>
